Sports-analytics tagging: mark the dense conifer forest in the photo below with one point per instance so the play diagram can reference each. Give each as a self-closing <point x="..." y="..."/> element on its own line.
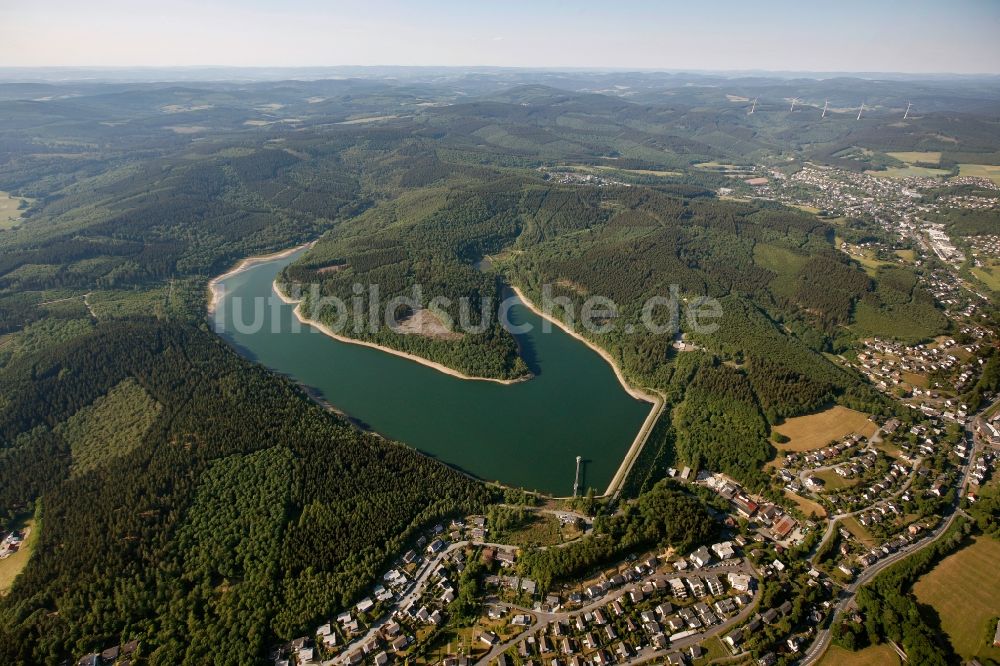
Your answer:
<point x="237" y="508"/>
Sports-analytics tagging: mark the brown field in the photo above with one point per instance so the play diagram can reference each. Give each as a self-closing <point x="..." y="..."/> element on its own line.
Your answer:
<point x="427" y="324"/>
<point x="334" y="268"/>
<point x="369" y="119"/>
<point x="807" y="506"/>
<point x="643" y="172"/>
<point x="890" y="450"/>
<point x="572" y="286"/>
<point x="807" y="209"/>
<point x="817" y="430"/>
<point x="186" y="129"/>
<point x="871" y="264"/>
<point x="965" y="591"/>
<point x="597" y="169"/>
<point x="541" y="530"/>
<point x="876" y="655"/>
<point x="714" y="651"/>
<point x="914" y="379"/>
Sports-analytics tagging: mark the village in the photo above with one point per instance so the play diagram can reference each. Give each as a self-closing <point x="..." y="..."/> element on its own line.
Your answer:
<point x="647" y="606"/>
<point x="663" y="606"/>
<point x="926" y="377"/>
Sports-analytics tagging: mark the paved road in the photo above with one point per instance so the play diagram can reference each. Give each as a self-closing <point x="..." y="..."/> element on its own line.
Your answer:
<point x="416" y="588"/>
<point x="413" y="593"/>
<point x="809" y="471"/>
<point x="543" y="619"/>
<point x="833" y="520"/>
<point x="823" y="636"/>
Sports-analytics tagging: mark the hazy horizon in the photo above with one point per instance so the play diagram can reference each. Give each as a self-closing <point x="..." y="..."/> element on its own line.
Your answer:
<point x="921" y="37"/>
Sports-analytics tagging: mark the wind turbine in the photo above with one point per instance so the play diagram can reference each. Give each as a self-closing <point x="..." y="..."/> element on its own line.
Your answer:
<point x="826" y="105"/>
<point x="907" y="113"/>
<point x="861" y="110"/>
<point x="752" y="107"/>
<point x="794" y="100"/>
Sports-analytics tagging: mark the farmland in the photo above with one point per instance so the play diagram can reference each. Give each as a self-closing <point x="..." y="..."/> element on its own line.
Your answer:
<point x="815" y="431"/>
<point x="910" y="171"/>
<point x="10" y="210"/>
<point x="913" y="157"/>
<point x="980" y="171"/>
<point x="964" y="590"/>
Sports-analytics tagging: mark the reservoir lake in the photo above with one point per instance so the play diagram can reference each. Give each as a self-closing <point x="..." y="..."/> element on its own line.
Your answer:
<point x="525" y="434"/>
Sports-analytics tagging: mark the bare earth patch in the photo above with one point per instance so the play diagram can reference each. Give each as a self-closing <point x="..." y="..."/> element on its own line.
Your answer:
<point x="572" y="286"/>
<point x="426" y="323"/>
<point x="186" y="129"/>
<point x="807" y="506"/>
<point x="335" y="268"/>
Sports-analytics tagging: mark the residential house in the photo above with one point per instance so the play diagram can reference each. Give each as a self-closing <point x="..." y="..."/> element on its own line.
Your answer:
<point x="715" y="586"/>
<point x="724" y="550"/>
<point x="701" y="557"/>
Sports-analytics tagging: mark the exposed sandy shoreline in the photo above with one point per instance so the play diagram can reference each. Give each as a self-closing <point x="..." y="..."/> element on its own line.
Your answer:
<point x="323" y="328"/>
<point x="214" y="289"/>
<point x="639" y="394"/>
<point x="655" y="399"/>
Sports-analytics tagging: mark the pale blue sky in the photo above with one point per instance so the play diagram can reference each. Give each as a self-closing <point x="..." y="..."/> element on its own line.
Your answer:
<point x="842" y="35"/>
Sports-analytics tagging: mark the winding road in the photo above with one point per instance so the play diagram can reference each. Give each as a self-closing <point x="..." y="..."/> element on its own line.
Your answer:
<point x="823" y="636"/>
<point x="543" y="619"/>
<point x="416" y="588"/>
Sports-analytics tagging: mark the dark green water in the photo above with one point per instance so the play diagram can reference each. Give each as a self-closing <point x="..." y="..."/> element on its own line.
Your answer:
<point x="526" y="434"/>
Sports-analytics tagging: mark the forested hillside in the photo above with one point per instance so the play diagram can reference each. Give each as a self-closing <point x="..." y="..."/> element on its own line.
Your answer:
<point x="783" y="295"/>
<point x="234" y="515"/>
<point x="429" y="241"/>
